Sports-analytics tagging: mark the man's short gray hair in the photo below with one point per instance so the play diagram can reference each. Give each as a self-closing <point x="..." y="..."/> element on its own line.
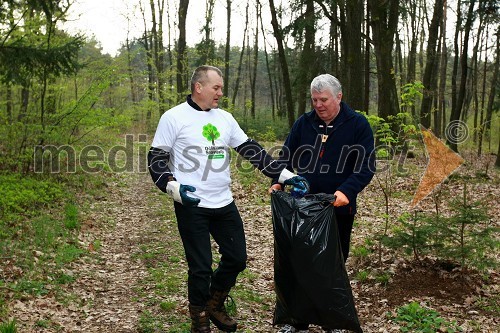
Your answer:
<point x="326" y="82"/>
<point x="200" y="74"/>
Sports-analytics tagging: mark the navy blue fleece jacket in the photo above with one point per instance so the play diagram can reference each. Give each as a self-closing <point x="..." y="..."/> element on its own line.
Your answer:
<point x="339" y="156"/>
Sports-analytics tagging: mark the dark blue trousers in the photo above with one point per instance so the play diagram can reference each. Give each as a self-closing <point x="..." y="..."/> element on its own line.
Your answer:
<point x="196" y="224"/>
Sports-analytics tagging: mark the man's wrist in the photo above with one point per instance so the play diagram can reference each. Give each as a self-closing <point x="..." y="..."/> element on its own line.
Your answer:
<point x="173" y="189"/>
<point x="285" y="175"/>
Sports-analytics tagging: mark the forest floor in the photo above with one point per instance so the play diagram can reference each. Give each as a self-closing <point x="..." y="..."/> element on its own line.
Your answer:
<point x="133" y="275"/>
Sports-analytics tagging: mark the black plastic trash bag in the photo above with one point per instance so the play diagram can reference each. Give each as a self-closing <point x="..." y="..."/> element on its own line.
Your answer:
<point x="310" y="278"/>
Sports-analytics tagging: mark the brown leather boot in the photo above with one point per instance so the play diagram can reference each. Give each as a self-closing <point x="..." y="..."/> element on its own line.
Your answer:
<point x="218" y="313"/>
<point x="199" y="319"/>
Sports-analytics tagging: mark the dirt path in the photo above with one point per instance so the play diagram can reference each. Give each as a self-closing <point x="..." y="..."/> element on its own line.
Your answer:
<point x="101" y="299"/>
<point x="108" y="283"/>
<point x="108" y="294"/>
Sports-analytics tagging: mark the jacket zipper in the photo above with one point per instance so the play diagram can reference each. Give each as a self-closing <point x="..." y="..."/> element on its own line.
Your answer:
<point x="324" y="138"/>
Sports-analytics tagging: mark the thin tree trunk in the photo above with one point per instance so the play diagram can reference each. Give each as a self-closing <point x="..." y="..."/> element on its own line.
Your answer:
<point x="456" y="112"/>
<point x="442" y="75"/>
<point x="253" y="76"/>
<point x="130" y="72"/>
<point x="227" y="51"/>
<point x="149" y="65"/>
<point x="240" y="64"/>
<point x="269" y="75"/>
<point x="493" y="92"/>
<point x="384" y="21"/>
<point x="160" y="66"/>
<point x="284" y="64"/>
<point x="430" y="66"/>
<point x="306" y="63"/>
<point x="8" y="100"/>
<point x="181" y="50"/>
<point x="366" y="98"/>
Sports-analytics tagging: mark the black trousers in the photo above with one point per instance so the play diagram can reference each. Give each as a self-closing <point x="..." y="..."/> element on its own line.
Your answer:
<point x="345" y="223"/>
<point x="196" y="224"/>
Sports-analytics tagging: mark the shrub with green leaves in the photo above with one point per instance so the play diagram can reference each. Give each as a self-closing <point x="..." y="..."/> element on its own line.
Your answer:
<point x="419" y="319"/>
<point x="21" y="193"/>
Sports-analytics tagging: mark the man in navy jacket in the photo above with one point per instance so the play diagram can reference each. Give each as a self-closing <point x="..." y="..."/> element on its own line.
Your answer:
<point x="331" y="146"/>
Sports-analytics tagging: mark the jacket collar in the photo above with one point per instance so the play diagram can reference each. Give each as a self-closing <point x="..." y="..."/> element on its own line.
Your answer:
<point x="345" y="114"/>
<point x="193" y="104"/>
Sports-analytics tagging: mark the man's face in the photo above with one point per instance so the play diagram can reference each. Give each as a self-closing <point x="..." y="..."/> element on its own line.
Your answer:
<point x="210" y="91"/>
<point x="327" y="106"/>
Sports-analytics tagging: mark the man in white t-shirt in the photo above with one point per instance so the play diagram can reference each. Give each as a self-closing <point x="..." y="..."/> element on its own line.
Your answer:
<point x="189" y="160"/>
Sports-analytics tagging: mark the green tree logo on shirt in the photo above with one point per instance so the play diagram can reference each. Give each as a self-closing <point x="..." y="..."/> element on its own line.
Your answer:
<point x="211" y="133"/>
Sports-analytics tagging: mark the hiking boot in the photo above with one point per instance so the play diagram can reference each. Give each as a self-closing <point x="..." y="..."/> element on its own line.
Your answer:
<point x="199" y="319"/>
<point x="218" y="313"/>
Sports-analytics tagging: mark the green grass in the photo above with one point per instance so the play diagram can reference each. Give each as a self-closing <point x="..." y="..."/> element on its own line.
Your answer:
<point x="8" y="327"/>
<point x="39" y="224"/>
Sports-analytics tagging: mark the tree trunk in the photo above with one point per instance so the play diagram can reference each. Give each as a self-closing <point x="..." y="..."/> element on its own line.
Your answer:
<point x="130" y="72"/>
<point x="227" y="52"/>
<point x="497" y="162"/>
<point x="8" y="100"/>
<point x="366" y="97"/>
<point x="160" y="58"/>
<point x="456" y="112"/>
<point x="493" y="92"/>
<point x="253" y="75"/>
<point x="283" y="62"/>
<point x="269" y="74"/>
<point x="431" y="66"/>
<point x="439" y="128"/>
<point x="181" y="50"/>
<point x="384" y="21"/>
<point x="306" y="62"/>
<point x="240" y="64"/>
<point x="351" y="17"/>
<point x="149" y="66"/>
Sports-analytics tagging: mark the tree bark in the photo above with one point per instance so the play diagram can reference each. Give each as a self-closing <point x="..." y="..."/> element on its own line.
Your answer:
<point x="431" y="66"/>
<point x="456" y="112"/>
<point x="441" y="111"/>
<point x="269" y="74"/>
<point x="283" y="63"/>
<point x="306" y="62"/>
<point x="493" y="91"/>
<point x="240" y="63"/>
<point x="227" y="51"/>
<point x="253" y="75"/>
<point x="366" y="97"/>
<point x="181" y="50"/>
<point x="384" y="21"/>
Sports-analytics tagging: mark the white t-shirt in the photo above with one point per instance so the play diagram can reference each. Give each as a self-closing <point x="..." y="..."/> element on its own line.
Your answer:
<point x="198" y="143"/>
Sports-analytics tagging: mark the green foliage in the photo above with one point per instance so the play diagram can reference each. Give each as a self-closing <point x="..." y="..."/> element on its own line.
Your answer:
<point x="414" y="235"/>
<point x="410" y="93"/>
<point x="26" y="194"/>
<point x="71" y="219"/>
<point x="362" y="275"/>
<point x="466" y="237"/>
<point x="390" y="135"/>
<point x="415" y="318"/>
<point x="8" y="327"/>
<point x="469" y="235"/>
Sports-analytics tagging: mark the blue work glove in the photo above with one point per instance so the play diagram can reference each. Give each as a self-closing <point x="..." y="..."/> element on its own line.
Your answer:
<point x="300" y="186"/>
<point x="179" y="193"/>
<point x="299" y="183"/>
